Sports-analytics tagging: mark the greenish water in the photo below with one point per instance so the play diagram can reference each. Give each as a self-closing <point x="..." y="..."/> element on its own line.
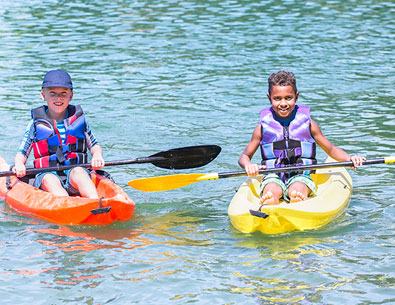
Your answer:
<point x="154" y="75"/>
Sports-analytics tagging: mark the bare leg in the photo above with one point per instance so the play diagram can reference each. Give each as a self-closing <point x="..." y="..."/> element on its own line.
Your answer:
<point x="271" y="194"/>
<point x="51" y="184"/>
<point x="298" y="191"/>
<point x="81" y="181"/>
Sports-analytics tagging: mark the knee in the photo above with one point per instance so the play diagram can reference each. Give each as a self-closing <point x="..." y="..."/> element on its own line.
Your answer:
<point x="50" y="180"/>
<point x="299" y="187"/>
<point x="78" y="173"/>
<point x="274" y="188"/>
<point x="297" y="184"/>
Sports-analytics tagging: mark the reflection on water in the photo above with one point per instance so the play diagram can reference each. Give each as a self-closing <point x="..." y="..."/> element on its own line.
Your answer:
<point x="65" y="239"/>
<point x="301" y="267"/>
<point x="283" y="291"/>
<point x="68" y="249"/>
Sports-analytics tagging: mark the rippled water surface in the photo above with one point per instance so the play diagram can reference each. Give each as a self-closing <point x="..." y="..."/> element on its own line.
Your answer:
<point x="155" y="75"/>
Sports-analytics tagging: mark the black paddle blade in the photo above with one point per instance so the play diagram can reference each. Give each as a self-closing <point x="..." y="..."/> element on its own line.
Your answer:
<point x="187" y="157"/>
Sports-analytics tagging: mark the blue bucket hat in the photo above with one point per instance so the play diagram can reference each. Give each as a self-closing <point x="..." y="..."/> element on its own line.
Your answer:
<point x="57" y="78"/>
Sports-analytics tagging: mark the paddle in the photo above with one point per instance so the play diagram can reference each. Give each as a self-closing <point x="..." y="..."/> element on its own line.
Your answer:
<point x="177" y="158"/>
<point x="165" y="183"/>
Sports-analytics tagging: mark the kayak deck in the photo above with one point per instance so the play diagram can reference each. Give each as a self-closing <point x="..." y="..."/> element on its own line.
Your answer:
<point x="334" y="187"/>
<point x="31" y="201"/>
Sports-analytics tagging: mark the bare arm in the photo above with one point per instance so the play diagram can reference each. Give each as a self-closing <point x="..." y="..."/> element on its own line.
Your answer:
<point x="249" y="151"/>
<point x="330" y="149"/>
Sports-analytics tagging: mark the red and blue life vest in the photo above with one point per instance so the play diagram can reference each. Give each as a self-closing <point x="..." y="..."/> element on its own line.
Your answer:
<point x="47" y="144"/>
<point x="282" y="145"/>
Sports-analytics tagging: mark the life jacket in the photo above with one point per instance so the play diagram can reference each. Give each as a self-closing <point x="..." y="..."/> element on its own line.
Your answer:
<point x="47" y="144"/>
<point x="283" y="146"/>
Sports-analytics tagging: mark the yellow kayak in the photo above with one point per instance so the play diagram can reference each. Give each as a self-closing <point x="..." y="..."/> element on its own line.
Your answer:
<point x="334" y="187"/>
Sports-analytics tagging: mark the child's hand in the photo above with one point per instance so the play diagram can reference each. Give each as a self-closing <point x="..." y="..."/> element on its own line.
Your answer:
<point x="19" y="169"/>
<point x="97" y="161"/>
<point x="253" y="169"/>
<point x="357" y="161"/>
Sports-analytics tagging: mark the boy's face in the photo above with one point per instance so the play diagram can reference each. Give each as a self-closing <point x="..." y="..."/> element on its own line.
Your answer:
<point x="283" y="100"/>
<point x="57" y="98"/>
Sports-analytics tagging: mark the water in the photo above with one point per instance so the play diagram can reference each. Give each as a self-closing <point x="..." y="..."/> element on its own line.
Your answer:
<point x="154" y="75"/>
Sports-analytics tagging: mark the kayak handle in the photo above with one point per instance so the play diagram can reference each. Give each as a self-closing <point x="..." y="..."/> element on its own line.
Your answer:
<point x="259" y="214"/>
<point x="101" y="210"/>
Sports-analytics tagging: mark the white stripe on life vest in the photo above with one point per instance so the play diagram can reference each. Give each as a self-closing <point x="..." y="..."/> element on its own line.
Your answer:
<point x="38" y="149"/>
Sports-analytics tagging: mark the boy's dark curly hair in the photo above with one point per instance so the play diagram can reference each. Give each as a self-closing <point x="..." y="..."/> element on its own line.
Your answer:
<point x="282" y="78"/>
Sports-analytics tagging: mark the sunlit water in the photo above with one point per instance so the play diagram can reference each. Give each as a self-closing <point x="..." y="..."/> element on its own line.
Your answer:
<point x="155" y="75"/>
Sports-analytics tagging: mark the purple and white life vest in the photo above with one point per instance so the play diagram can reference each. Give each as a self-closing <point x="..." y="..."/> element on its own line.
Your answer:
<point x="283" y="146"/>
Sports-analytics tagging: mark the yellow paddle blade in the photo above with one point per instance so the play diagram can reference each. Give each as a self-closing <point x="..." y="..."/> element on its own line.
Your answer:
<point x="171" y="182"/>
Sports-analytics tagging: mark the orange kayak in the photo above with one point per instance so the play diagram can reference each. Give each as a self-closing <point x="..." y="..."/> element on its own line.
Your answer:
<point x="28" y="200"/>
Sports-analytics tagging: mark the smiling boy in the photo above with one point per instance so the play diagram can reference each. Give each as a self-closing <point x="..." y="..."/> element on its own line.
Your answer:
<point x="59" y="134"/>
<point x="287" y="136"/>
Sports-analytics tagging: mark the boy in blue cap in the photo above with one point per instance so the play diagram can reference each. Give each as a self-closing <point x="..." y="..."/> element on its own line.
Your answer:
<point x="59" y="134"/>
<point x="287" y="135"/>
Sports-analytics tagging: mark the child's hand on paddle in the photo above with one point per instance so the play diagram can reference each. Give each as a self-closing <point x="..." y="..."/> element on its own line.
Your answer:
<point x="97" y="161"/>
<point x="253" y="169"/>
<point x="357" y="161"/>
<point x="19" y="169"/>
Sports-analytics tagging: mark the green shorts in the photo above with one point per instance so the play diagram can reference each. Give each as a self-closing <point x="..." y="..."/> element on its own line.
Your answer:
<point x="306" y="179"/>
